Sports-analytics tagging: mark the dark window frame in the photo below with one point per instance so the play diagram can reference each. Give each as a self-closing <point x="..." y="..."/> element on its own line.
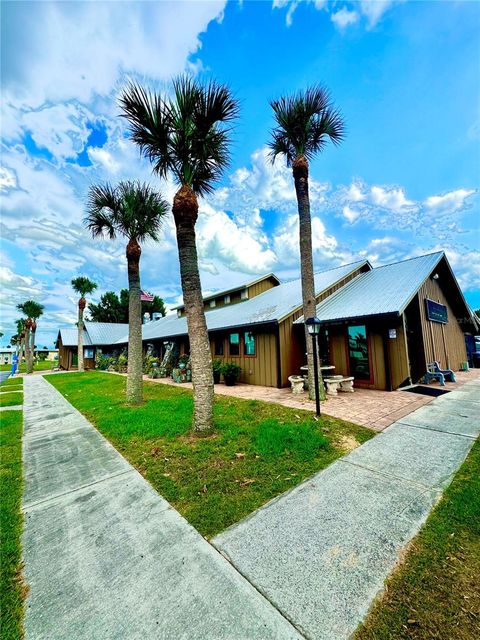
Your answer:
<point x="253" y="336"/>
<point x="234" y="355"/>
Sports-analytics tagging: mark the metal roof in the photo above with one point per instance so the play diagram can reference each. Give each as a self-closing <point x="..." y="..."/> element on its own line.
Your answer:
<point x="383" y="290"/>
<point x="105" y="332"/>
<point x="271" y="306"/>
<point x="221" y="292"/>
<point x="70" y="337"/>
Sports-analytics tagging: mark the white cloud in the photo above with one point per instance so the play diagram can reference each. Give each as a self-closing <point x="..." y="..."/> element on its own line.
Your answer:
<point x="286" y="243"/>
<point x="7" y="179"/>
<point x="371" y="10"/>
<point x="344" y="18"/>
<point x="390" y="198"/>
<point x="350" y="214"/>
<point x="449" y="202"/>
<point x="63" y="51"/>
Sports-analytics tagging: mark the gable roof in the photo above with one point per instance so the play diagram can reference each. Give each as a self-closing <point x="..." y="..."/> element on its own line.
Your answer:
<point x="105" y="332"/>
<point x="383" y="290"/>
<point x="222" y="292"/>
<point x="94" y="334"/>
<point x="270" y="306"/>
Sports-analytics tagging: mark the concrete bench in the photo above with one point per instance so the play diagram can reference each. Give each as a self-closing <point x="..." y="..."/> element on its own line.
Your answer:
<point x="339" y="383"/>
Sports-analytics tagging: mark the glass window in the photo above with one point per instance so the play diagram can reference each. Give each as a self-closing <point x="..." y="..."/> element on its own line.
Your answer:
<point x="88" y="352"/>
<point x="358" y="352"/>
<point x="226" y="299"/>
<point x="234" y="344"/>
<point x="219" y="346"/>
<point x="249" y="344"/>
<point x="212" y="304"/>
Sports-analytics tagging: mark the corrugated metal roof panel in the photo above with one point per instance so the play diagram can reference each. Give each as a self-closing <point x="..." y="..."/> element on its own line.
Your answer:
<point x="382" y="290"/>
<point x="70" y="337"/>
<point x="270" y="306"/>
<point x="105" y="332"/>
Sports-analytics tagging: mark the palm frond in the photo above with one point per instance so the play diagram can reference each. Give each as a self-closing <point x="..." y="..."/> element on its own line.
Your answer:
<point x="83" y="285"/>
<point x="185" y="134"/>
<point x="305" y="121"/>
<point x="131" y="209"/>
<point x="31" y="309"/>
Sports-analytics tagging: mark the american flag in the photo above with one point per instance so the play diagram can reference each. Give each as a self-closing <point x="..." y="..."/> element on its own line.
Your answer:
<point x="145" y="296"/>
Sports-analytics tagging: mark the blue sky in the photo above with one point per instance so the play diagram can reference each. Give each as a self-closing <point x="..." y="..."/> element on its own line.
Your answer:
<point x="404" y="182"/>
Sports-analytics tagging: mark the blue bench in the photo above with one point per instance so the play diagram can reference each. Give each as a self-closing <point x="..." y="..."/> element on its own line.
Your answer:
<point x="435" y="373"/>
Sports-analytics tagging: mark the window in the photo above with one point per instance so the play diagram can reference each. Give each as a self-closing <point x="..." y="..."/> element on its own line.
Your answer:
<point x="244" y="294"/>
<point x="234" y="343"/>
<point x="212" y="304"/>
<point x="88" y="352"/>
<point x="219" y="346"/>
<point x="226" y="299"/>
<point x="358" y="352"/>
<point x="179" y="313"/>
<point x="249" y="344"/>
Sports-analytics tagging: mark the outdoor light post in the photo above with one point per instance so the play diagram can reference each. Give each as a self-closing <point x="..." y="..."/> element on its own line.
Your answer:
<point x="313" y="327"/>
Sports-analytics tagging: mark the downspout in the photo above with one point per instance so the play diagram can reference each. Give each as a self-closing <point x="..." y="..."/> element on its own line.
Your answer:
<point x="279" y="361"/>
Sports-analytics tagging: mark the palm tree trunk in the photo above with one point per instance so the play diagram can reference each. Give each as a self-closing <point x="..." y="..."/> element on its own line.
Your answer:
<point x="27" y="346"/>
<point x="135" y="353"/>
<point x="300" y="176"/>
<point x="185" y="212"/>
<point x="81" y="307"/>
<point x="32" y="347"/>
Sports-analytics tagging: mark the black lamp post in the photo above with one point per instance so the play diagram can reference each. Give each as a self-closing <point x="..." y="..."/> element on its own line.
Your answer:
<point x="313" y="327"/>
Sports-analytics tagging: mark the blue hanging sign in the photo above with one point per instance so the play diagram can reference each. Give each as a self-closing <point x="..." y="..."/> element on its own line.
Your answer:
<point x="436" y="312"/>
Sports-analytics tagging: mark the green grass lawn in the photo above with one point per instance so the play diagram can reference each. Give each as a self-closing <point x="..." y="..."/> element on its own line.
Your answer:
<point x="11" y="482"/>
<point x="435" y="593"/>
<point x="258" y="450"/>
<point x="10" y="399"/>
<point x="12" y="382"/>
<point x="41" y="365"/>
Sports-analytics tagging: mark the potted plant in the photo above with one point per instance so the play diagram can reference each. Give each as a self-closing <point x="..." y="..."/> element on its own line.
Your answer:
<point x="231" y="373"/>
<point x="217" y="370"/>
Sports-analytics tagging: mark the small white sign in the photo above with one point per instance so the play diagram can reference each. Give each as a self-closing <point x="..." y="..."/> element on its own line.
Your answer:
<point x="392" y="333"/>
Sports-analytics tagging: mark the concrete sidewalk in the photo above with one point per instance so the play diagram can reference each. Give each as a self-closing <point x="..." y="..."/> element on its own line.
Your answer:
<point x="106" y="557"/>
<point x="321" y="552"/>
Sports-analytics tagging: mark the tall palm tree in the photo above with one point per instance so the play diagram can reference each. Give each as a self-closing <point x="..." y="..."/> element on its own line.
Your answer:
<point x="36" y="310"/>
<point x="30" y="308"/>
<point x="134" y="211"/>
<point x="20" y="338"/>
<point x="305" y="122"/>
<point x="186" y="135"/>
<point x="83" y="286"/>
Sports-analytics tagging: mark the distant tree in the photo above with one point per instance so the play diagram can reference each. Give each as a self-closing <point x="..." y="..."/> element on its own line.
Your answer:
<point x="114" y="308"/>
<point x="32" y="310"/>
<point x="134" y="211"/>
<point x="36" y="310"/>
<point x="304" y="123"/>
<point x="82" y="286"/>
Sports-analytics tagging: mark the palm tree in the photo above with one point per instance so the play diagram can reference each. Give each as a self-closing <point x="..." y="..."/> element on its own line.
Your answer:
<point x="82" y="286"/>
<point x="134" y="211"/>
<point x="36" y="310"/>
<point x="305" y="122"/>
<point x="186" y="135"/>
<point x="20" y="338"/>
<point x="32" y="310"/>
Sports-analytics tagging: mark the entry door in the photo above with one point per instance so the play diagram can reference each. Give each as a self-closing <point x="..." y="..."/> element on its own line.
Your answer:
<point x="358" y="352"/>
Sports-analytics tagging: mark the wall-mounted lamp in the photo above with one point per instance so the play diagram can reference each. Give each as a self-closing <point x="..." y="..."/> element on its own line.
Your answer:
<point x="435" y="276"/>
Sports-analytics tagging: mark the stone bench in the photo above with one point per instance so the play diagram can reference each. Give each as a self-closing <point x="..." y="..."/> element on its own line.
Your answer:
<point x="339" y="383"/>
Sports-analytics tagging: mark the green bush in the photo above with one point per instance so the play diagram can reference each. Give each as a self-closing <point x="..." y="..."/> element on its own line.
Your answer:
<point x="217" y="367"/>
<point x="231" y="373"/>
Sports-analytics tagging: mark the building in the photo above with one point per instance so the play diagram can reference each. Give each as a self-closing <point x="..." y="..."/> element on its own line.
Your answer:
<point x="7" y="353"/>
<point x="382" y="325"/>
<point x="97" y="337"/>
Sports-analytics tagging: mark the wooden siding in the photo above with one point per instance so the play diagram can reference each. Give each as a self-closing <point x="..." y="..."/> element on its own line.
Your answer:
<point x="442" y="342"/>
<point x="259" y="369"/>
<point x="236" y="295"/>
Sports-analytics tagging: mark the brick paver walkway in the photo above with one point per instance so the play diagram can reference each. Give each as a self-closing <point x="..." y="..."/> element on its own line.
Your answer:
<point x="370" y="408"/>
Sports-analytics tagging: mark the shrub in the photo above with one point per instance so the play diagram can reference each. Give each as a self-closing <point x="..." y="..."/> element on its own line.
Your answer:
<point x="217" y="367"/>
<point x="231" y="373"/>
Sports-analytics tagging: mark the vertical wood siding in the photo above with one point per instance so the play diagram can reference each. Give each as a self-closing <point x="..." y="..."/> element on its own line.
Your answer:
<point x="444" y="343"/>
